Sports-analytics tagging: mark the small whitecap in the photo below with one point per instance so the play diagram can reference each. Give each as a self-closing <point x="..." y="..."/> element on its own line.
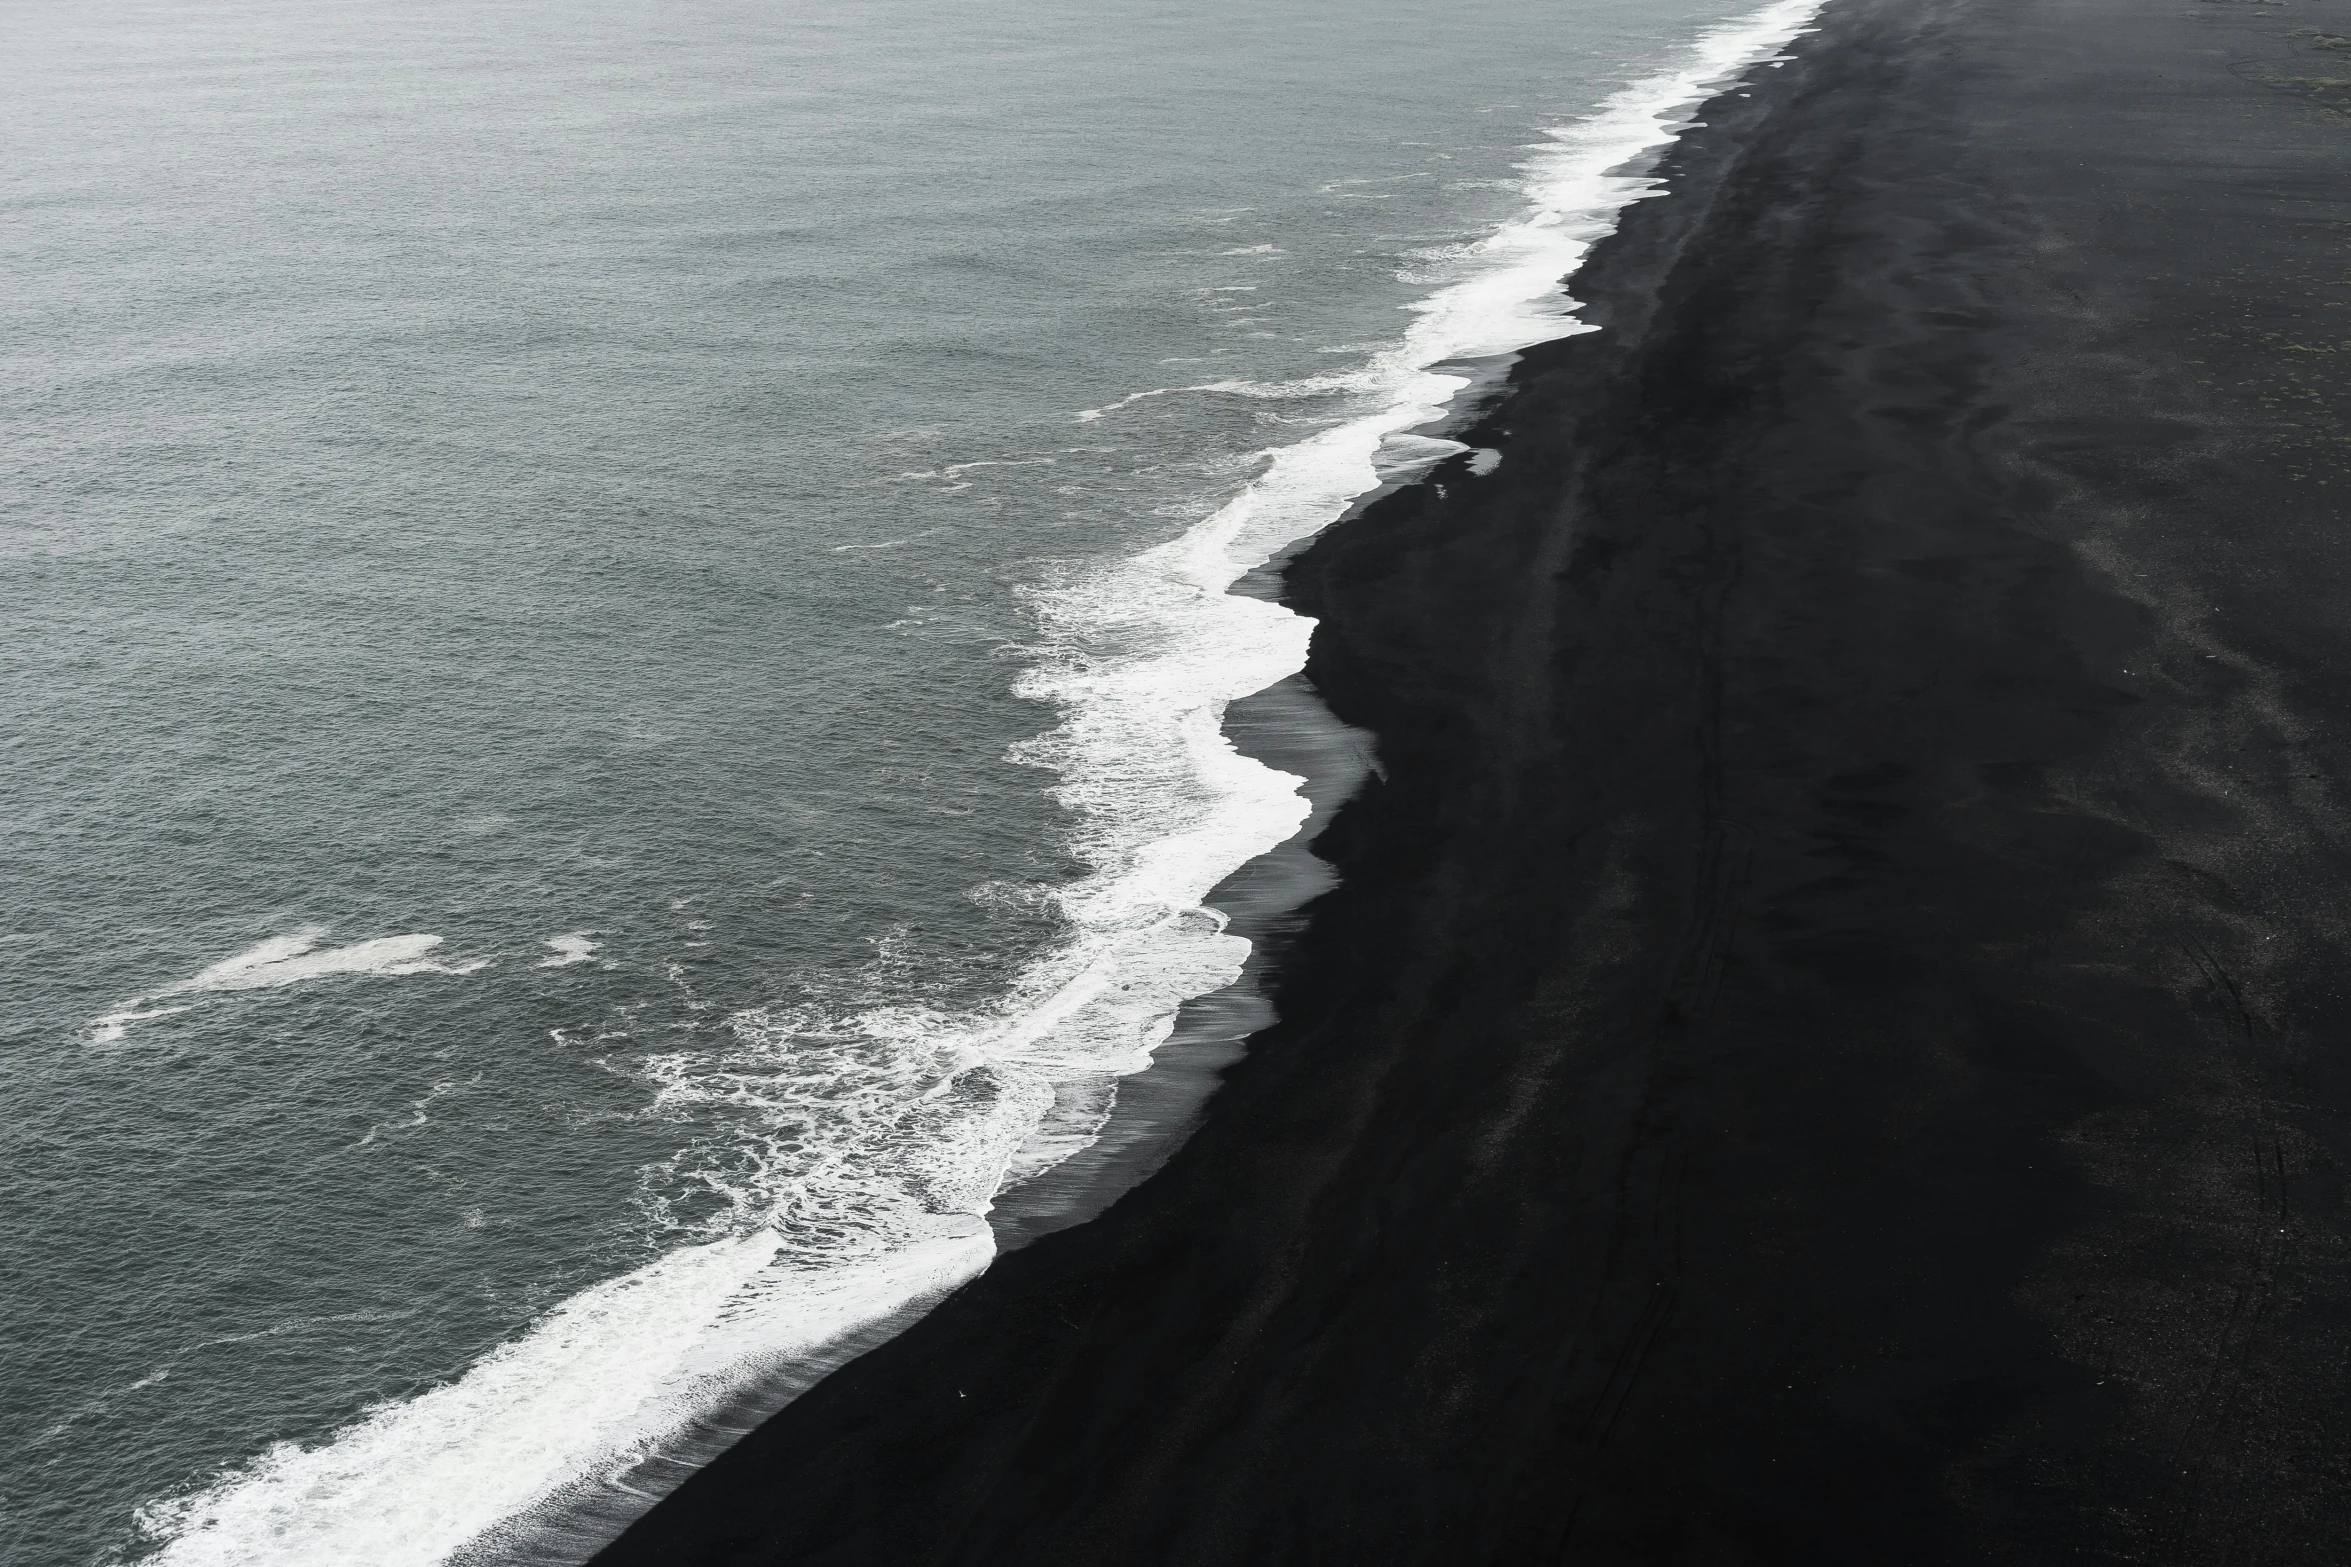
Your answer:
<point x="111" y="1027"/>
<point x="572" y="947"/>
<point x="286" y="960"/>
<point x="291" y="959"/>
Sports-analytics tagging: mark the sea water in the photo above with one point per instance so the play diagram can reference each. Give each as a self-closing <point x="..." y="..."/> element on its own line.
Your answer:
<point x="619" y="632"/>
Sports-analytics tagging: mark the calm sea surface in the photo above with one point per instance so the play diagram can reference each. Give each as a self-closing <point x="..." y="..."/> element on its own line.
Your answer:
<point x="615" y="639"/>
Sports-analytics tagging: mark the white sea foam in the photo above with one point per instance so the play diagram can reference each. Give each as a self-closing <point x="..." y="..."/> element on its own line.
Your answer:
<point x="291" y="959"/>
<point x="587" y="1391"/>
<point x="106" y="1030"/>
<point x="575" y="947"/>
<point x="1312" y="386"/>
<point x="1407" y="456"/>
<point x="285" y="960"/>
<point x="846" y="1156"/>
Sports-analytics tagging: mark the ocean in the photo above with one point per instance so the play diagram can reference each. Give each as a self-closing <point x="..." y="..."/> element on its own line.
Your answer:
<point x="621" y="630"/>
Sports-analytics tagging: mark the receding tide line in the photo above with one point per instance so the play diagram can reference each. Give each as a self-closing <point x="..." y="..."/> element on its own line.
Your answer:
<point x="593" y="1394"/>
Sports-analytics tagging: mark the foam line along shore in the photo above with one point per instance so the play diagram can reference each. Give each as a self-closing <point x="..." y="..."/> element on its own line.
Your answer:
<point x="1822" y="1047"/>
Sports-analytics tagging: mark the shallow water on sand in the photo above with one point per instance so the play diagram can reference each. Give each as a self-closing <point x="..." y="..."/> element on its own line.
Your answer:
<point x="620" y="639"/>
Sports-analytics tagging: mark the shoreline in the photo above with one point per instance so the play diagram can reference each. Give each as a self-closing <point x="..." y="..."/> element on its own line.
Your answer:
<point x="1446" y="369"/>
<point x="1285" y="727"/>
<point x="1818" y="1051"/>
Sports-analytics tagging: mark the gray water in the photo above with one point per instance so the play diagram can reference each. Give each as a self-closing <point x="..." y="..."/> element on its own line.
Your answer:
<point x="612" y="694"/>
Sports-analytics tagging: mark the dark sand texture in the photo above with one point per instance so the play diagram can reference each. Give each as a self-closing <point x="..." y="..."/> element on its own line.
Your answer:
<point x="1832" y="1046"/>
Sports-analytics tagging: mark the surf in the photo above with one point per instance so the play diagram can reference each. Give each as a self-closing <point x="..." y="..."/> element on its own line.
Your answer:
<point x="852" y="1155"/>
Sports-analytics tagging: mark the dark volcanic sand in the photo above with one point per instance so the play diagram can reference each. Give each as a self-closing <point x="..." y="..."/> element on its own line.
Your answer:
<point x="1832" y="1046"/>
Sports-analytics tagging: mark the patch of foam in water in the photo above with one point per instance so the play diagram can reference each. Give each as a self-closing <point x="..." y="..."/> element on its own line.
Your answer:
<point x="575" y="947"/>
<point x="291" y="959"/>
<point x="286" y="960"/>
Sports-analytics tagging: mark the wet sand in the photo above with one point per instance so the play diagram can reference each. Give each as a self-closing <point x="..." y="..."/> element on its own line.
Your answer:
<point x="1831" y="1045"/>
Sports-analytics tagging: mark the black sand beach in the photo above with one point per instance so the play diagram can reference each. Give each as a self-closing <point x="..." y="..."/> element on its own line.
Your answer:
<point x="1832" y="1045"/>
